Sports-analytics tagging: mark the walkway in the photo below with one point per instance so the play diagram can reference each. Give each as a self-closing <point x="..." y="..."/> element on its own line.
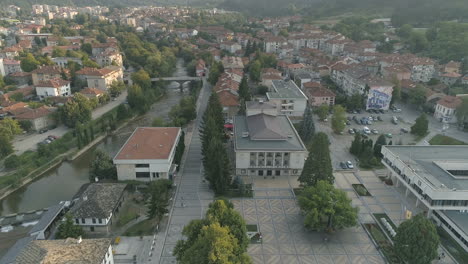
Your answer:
<point x="193" y="195"/>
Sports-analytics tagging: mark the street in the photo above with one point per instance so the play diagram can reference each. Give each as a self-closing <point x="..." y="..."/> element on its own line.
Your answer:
<point x="23" y="143"/>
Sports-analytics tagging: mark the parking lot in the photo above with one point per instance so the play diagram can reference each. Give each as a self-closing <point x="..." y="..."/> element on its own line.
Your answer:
<point x="340" y="144"/>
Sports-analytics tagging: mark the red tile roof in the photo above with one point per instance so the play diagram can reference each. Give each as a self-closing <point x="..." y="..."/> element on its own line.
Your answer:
<point x="94" y="71"/>
<point x="31" y="114"/>
<point x="319" y="92"/>
<point x="149" y="143"/>
<point x="228" y="98"/>
<point x="91" y="91"/>
<point x="55" y="83"/>
<point x="48" y="70"/>
<point x="450" y="101"/>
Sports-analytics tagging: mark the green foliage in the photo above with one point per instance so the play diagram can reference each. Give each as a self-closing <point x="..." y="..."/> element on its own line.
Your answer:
<point x="219" y="238"/>
<point x="420" y="128"/>
<point x="184" y="112"/>
<point x="462" y="111"/>
<point x="322" y="111"/>
<point x="381" y="141"/>
<point x="417" y="96"/>
<point x="307" y="126"/>
<point x="417" y="240"/>
<point x="29" y="63"/>
<point x="116" y="88"/>
<point x="142" y="79"/>
<point x="159" y="193"/>
<point x="360" y="28"/>
<point x="215" y="71"/>
<point x="9" y="128"/>
<point x="180" y="150"/>
<point x="326" y="208"/>
<point x="12" y="162"/>
<point x="356" y="145"/>
<point x="338" y="119"/>
<point x="26" y="125"/>
<point x="318" y="165"/>
<point x="255" y="70"/>
<point x="102" y="167"/>
<point x="69" y="229"/>
<point x="77" y="110"/>
<point x="244" y="91"/>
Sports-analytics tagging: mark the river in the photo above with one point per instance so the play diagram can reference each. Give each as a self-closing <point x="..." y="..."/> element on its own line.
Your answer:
<point x="62" y="183"/>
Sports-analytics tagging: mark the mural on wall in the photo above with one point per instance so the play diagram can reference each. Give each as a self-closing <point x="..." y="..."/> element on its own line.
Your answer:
<point x="379" y="97"/>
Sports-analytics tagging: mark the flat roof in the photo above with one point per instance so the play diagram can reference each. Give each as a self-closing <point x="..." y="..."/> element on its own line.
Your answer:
<point x="458" y="218"/>
<point x="149" y="143"/>
<point x="291" y="142"/>
<point x="286" y="90"/>
<point x="425" y="160"/>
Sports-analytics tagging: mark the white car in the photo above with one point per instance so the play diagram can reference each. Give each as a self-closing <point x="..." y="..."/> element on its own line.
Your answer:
<point x="366" y="130"/>
<point x="349" y="164"/>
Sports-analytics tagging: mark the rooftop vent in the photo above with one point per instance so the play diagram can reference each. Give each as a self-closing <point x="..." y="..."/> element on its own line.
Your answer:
<point x="290" y="136"/>
<point x="245" y="134"/>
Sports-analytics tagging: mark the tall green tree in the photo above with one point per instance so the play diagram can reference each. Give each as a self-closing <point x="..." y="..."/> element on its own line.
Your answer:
<point x="29" y="63"/>
<point x="462" y="112"/>
<point x="244" y="91"/>
<point x="102" y="167"/>
<point x="338" y="119"/>
<point x="6" y="148"/>
<point x="137" y="99"/>
<point x="158" y="201"/>
<point x="417" y="240"/>
<point x="116" y="88"/>
<point x="255" y="70"/>
<point x="77" y="110"/>
<point x="417" y="96"/>
<point x="322" y="111"/>
<point x="356" y="145"/>
<point x="307" y="129"/>
<point x="381" y="141"/>
<point x="142" y="79"/>
<point x="10" y="127"/>
<point x="326" y="208"/>
<point x="218" y="170"/>
<point x="420" y="128"/>
<point x="69" y="229"/>
<point x="318" y="165"/>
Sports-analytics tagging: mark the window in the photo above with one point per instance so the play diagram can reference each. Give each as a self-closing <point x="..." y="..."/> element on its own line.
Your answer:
<point x="91" y="228"/>
<point x="269" y="173"/>
<point x="142" y="174"/>
<point x="94" y="220"/>
<point x="141" y="165"/>
<point x="100" y="220"/>
<point x="260" y="173"/>
<point x="77" y="221"/>
<point x="295" y="171"/>
<point x="82" y="220"/>
<point x="277" y="172"/>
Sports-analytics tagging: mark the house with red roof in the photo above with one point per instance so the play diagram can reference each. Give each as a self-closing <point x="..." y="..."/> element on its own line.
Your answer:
<point x="53" y="87"/>
<point x="100" y="78"/>
<point x="446" y="107"/>
<point x="318" y="95"/>
<point x="40" y="117"/>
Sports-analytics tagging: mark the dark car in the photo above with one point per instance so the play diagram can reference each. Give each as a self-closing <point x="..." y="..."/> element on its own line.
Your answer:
<point x="42" y="131"/>
<point x="354" y="118"/>
<point x="343" y="165"/>
<point x="379" y="118"/>
<point x="404" y="130"/>
<point x="381" y="111"/>
<point x="348" y="123"/>
<point x="358" y="111"/>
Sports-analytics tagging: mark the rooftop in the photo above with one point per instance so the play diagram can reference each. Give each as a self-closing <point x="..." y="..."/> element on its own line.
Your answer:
<point x="149" y="143"/>
<point x="67" y="251"/>
<point x="450" y="101"/>
<point x="433" y="163"/>
<point x="286" y="90"/>
<point x="48" y="217"/>
<point x="458" y="218"/>
<point x="266" y="132"/>
<point x="97" y="200"/>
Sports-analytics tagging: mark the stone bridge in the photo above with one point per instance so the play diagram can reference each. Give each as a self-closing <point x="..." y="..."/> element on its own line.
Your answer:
<point x="179" y="79"/>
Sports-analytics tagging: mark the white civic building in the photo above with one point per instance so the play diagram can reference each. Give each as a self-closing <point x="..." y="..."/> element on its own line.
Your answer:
<point x="148" y="154"/>
<point x="267" y="145"/>
<point x="438" y="177"/>
<point x="288" y="98"/>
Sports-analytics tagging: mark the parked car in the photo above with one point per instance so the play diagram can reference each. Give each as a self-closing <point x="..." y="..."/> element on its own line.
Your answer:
<point x="381" y="111"/>
<point x="379" y="118"/>
<point x="354" y="118"/>
<point x="397" y="110"/>
<point x="374" y="131"/>
<point x="394" y="120"/>
<point x="351" y="131"/>
<point x="42" y="131"/>
<point x="343" y="165"/>
<point x="349" y="164"/>
<point x="52" y="136"/>
<point x="370" y="118"/>
<point x="348" y="123"/>
<point x="404" y="130"/>
<point x="389" y="135"/>
<point x="366" y="130"/>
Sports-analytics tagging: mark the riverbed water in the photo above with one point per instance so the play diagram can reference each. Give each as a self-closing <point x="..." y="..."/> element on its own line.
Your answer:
<point x="63" y="182"/>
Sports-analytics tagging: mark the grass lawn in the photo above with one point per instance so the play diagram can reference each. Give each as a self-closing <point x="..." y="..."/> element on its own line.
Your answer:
<point x="452" y="246"/>
<point x="379" y="216"/>
<point x="143" y="228"/>
<point x="384" y="244"/>
<point x="361" y="190"/>
<point x="445" y="140"/>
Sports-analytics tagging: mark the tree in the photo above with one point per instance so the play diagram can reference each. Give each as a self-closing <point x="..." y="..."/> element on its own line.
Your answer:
<point x="420" y="128"/>
<point x="86" y="47"/>
<point x="356" y="145"/>
<point x="116" y="88"/>
<point x="9" y="128"/>
<point x="355" y="101"/>
<point x="417" y="96"/>
<point x="417" y="240"/>
<point x="136" y="99"/>
<point x="322" y="111"/>
<point x="381" y="141"/>
<point x="159" y="198"/>
<point x="244" y="92"/>
<point x="142" y="79"/>
<point x="215" y="71"/>
<point x="405" y="31"/>
<point x="180" y="150"/>
<point x="29" y="63"/>
<point x="6" y="148"/>
<point x="255" y="70"/>
<point x="2" y="82"/>
<point x="318" y="165"/>
<point x="462" y="112"/>
<point x="218" y="171"/>
<point x="396" y="92"/>
<point x="69" y="229"/>
<point x="77" y="110"/>
<point x="307" y="129"/>
<point x="326" y="208"/>
<point x="338" y="119"/>
<point x="26" y="125"/>
<point x="102" y="167"/>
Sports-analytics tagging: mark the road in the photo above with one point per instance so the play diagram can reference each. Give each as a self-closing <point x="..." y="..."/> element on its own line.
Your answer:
<point x="23" y="143"/>
<point x="193" y="194"/>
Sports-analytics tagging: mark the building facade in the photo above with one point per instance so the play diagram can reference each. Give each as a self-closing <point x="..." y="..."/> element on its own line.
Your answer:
<point x="289" y="99"/>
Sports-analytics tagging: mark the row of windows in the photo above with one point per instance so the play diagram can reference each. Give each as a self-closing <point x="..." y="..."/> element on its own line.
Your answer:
<point x="146" y="174"/>
<point x="454" y="232"/>
<point x="99" y="220"/>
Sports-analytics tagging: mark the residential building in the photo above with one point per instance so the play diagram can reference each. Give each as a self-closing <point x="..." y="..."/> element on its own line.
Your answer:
<point x="45" y="73"/>
<point x="449" y="78"/>
<point x="61" y="251"/>
<point x="148" y="154"/>
<point x="437" y="177"/>
<point x="302" y="77"/>
<point x="452" y="66"/>
<point x="48" y="221"/>
<point x="40" y="117"/>
<point x="267" y="146"/>
<point x="100" y="78"/>
<point x="9" y="66"/>
<point x="260" y="107"/>
<point x="289" y="99"/>
<point x="269" y="75"/>
<point x="379" y="94"/>
<point x="53" y="87"/>
<point x="229" y="100"/>
<point x="399" y="72"/>
<point x="96" y="205"/>
<point x="319" y="95"/>
<point x="446" y="107"/>
<point x="273" y="44"/>
<point x="21" y="78"/>
<point x="108" y="58"/>
<point x="27" y="92"/>
<point x="62" y="62"/>
<point x="92" y="92"/>
<point x="230" y="62"/>
<point x="230" y="46"/>
<point x="200" y="68"/>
